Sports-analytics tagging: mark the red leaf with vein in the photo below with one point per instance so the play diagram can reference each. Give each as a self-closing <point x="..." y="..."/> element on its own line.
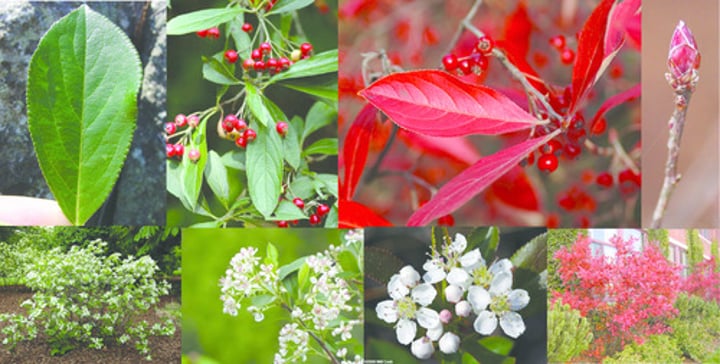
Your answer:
<point x="474" y="180"/>
<point x="590" y="54"/>
<point x="615" y="100"/>
<point x="436" y="103"/>
<point x="357" y="215"/>
<point x="457" y="148"/>
<point x="622" y="16"/>
<point x="518" y="30"/>
<point x="355" y="149"/>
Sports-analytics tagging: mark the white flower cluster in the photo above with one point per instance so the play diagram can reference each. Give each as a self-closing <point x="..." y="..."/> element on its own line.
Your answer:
<point x="293" y="345"/>
<point x="242" y="280"/>
<point x="472" y="287"/>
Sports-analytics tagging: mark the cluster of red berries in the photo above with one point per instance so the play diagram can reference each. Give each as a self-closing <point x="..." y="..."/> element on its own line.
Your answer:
<point x="568" y="144"/>
<point x="477" y="62"/>
<point x="238" y="130"/>
<point x="178" y="149"/>
<point x="213" y="32"/>
<point x="315" y="218"/>
<point x="261" y="59"/>
<point x="567" y="55"/>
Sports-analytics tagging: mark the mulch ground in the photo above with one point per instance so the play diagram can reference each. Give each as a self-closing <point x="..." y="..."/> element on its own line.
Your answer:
<point x="164" y="349"/>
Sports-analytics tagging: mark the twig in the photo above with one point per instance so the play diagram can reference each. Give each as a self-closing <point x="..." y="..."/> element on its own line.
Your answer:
<point x="470" y="15"/>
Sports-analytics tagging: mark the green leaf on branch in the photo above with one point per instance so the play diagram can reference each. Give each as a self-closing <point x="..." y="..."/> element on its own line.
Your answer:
<point x="332" y="219"/>
<point x="271" y="255"/>
<point x="287" y="211"/>
<point x="328" y="181"/>
<point x="291" y="145"/>
<point x="326" y="62"/>
<point x="323" y="87"/>
<point x="289" y="268"/>
<point x="264" y="170"/>
<point x="303" y="277"/>
<point x="533" y="255"/>
<point x="260" y="301"/>
<point x="215" y="70"/>
<point x="319" y="115"/>
<point x="256" y="103"/>
<point x="191" y="173"/>
<point x="201" y="19"/>
<point x="234" y="159"/>
<point x="217" y="177"/>
<point x="302" y="187"/>
<point x="486" y="239"/>
<point x="283" y="6"/>
<point x="82" y="90"/>
<point x="497" y="344"/>
<point x="327" y="146"/>
<point x="243" y="43"/>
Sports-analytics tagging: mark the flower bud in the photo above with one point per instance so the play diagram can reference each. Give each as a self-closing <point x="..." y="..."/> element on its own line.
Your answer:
<point x="684" y="57"/>
<point x="453" y="293"/>
<point x="422" y="348"/>
<point x="463" y="309"/>
<point x="445" y="316"/>
<point x="449" y="343"/>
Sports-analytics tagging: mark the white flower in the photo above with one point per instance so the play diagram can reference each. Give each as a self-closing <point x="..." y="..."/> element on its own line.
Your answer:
<point x="459" y="244"/>
<point x="449" y="343"/>
<point x="463" y="309"/>
<point x="422" y="348"/>
<point x="434" y="333"/>
<point x="405" y="311"/>
<point x="453" y="293"/>
<point x="434" y="271"/>
<point x="409" y="276"/>
<point x="499" y="302"/>
<point x="459" y="277"/>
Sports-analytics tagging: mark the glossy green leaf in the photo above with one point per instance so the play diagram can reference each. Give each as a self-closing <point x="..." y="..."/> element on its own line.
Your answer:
<point x="287" y="211"/>
<point x="319" y="115"/>
<point x="264" y="170"/>
<point x="216" y="71"/>
<point x="191" y="173"/>
<point x="201" y="19"/>
<point x="475" y="347"/>
<point x="257" y="105"/>
<point x="323" y="87"/>
<point x="533" y="255"/>
<point x="326" y="62"/>
<point x="302" y="187"/>
<point x="331" y="221"/>
<point x="260" y="301"/>
<point x="271" y="255"/>
<point x="234" y="159"/>
<point x="291" y="146"/>
<point x="82" y="90"/>
<point x="329" y="181"/>
<point x="289" y="268"/>
<point x="283" y="6"/>
<point x="243" y="43"/>
<point x="497" y="344"/>
<point x="487" y="239"/>
<point x="327" y="146"/>
<point x="217" y="177"/>
<point x="348" y="262"/>
<point x="303" y="277"/>
<point x="468" y="359"/>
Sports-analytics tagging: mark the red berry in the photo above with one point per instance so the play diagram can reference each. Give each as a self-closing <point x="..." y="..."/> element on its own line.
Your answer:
<point x="530" y="158"/>
<point x="558" y="42"/>
<point x="466" y="67"/>
<point x="169" y="150"/>
<point x="599" y="126"/>
<point x="241" y="142"/>
<point x="282" y="128"/>
<point x="314" y="219"/>
<point x="247" y="27"/>
<point x="194" y="155"/>
<point x="179" y="150"/>
<point x="256" y="55"/>
<point x="480" y="61"/>
<point x="249" y="134"/>
<point x="567" y="56"/>
<point x="282" y="224"/>
<point x="231" y="56"/>
<point x="284" y="62"/>
<point x="248" y="64"/>
<point x="240" y="125"/>
<point x="485" y="45"/>
<point x="547" y="162"/>
<point x="272" y="63"/>
<point x="213" y="33"/>
<point x="181" y="120"/>
<point x="551" y="147"/>
<point x="259" y="66"/>
<point x="572" y="150"/>
<point x="447" y="220"/>
<point x="297" y="201"/>
<point x="322" y="209"/>
<point x="170" y="128"/>
<point x="450" y="62"/>
<point x="306" y="48"/>
<point x="616" y="72"/>
<point x="202" y="33"/>
<point x="227" y="126"/>
<point x="604" y="179"/>
<point x="193" y="121"/>
<point x="265" y="47"/>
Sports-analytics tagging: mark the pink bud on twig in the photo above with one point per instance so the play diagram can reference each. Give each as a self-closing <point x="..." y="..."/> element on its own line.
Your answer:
<point x="683" y="58"/>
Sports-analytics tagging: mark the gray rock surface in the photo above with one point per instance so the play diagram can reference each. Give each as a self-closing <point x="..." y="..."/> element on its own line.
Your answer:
<point x="139" y="195"/>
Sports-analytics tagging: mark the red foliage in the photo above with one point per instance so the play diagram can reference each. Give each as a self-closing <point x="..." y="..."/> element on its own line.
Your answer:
<point x="704" y="281"/>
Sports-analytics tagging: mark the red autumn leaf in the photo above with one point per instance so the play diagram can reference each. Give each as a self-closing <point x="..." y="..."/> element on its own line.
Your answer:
<point x="474" y="180"/>
<point x="591" y="59"/>
<point x="355" y="149"/>
<point x="518" y="29"/>
<point x="515" y="189"/>
<point x="357" y="215"/>
<point x="627" y="95"/>
<point x="620" y="18"/>
<point x="436" y="103"/>
<point x="457" y="148"/>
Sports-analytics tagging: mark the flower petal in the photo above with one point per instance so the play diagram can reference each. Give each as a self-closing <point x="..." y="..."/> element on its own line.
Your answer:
<point x="471" y="258"/>
<point x="422" y="348"/>
<point x="459" y="244"/>
<point x="485" y="323"/>
<point x="387" y="311"/>
<point x="434" y="276"/>
<point x="406" y="330"/>
<point x="427" y="318"/>
<point x="449" y="343"/>
<point x="423" y="294"/>
<point x="435" y="333"/>
<point x="501" y="283"/>
<point x="479" y="298"/>
<point x="502" y="265"/>
<point x="409" y="276"/>
<point x="396" y="288"/>
<point x="512" y="324"/>
<point x="518" y="299"/>
<point x="459" y="277"/>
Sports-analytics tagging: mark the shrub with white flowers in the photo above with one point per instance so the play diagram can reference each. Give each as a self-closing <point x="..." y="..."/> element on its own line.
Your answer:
<point x="459" y="291"/>
<point x="321" y="294"/>
<point x="83" y="298"/>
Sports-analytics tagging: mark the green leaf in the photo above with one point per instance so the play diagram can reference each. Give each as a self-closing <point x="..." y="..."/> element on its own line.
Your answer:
<point x="260" y="301"/>
<point x="191" y="174"/>
<point x="319" y="115"/>
<point x="348" y="262"/>
<point x="303" y="277"/>
<point x="243" y="43"/>
<point x="326" y="62"/>
<point x="468" y="359"/>
<point x="207" y="224"/>
<point x="202" y="19"/>
<point x="257" y="105"/>
<point x="234" y="159"/>
<point x="82" y="90"/>
<point x="271" y="255"/>
<point x="487" y="239"/>
<point x="302" y="187"/>
<point x="327" y="146"/>
<point x="332" y="219"/>
<point x="264" y="170"/>
<point x="532" y="255"/>
<point x="291" y="146"/>
<point x="214" y="70"/>
<point x="388" y="352"/>
<point x="329" y="181"/>
<point x="217" y="177"/>
<point x="283" y="6"/>
<point x="323" y="87"/>
<point x="481" y="353"/>
<point x="497" y="344"/>
<point x="287" y="211"/>
<point x="289" y="268"/>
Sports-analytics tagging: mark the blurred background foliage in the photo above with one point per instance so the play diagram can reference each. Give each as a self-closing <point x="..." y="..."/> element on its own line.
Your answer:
<point x="209" y="336"/>
<point x="189" y="92"/>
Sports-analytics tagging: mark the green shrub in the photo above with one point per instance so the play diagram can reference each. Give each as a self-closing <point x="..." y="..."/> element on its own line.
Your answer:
<point x="83" y="298"/>
<point x="568" y="333"/>
<point x="655" y="349"/>
<point x="697" y="327"/>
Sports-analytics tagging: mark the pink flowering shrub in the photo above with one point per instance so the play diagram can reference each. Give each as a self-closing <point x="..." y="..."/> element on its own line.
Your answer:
<point x="626" y="297"/>
<point x="704" y="281"/>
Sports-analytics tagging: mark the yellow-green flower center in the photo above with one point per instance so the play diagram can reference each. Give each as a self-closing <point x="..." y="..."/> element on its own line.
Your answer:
<point x="406" y="308"/>
<point x="481" y="277"/>
<point x="499" y="304"/>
